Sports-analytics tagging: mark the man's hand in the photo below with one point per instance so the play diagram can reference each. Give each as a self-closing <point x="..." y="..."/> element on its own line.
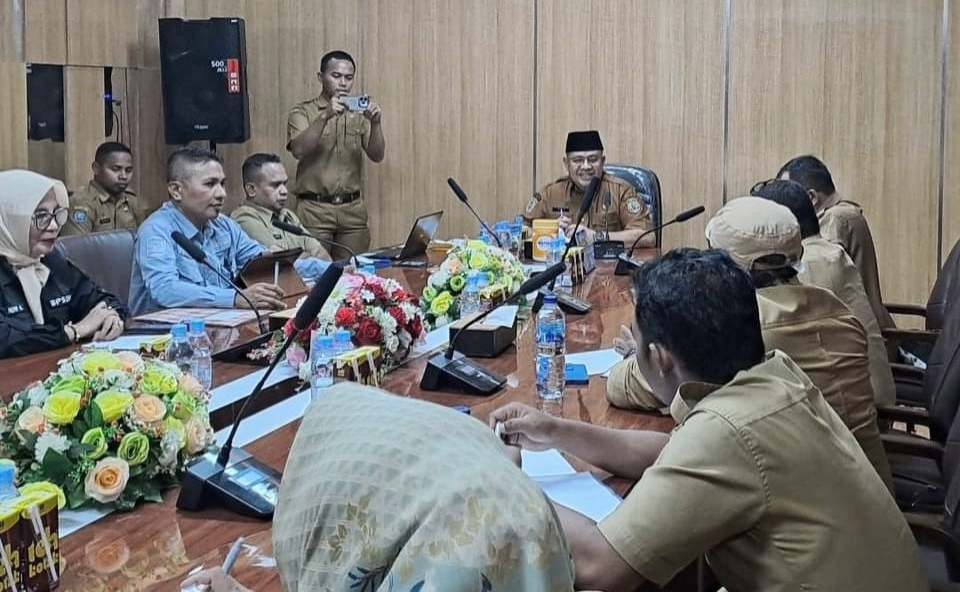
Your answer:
<point x="565" y="222"/>
<point x="525" y="427"/>
<point x="334" y="108"/>
<point x="624" y="344"/>
<point x="372" y="112"/>
<point x="263" y="296"/>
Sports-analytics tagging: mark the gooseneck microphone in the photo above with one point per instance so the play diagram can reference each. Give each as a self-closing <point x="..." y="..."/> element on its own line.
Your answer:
<point x="249" y="487"/>
<point x="452" y="370"/>
<point x="197" y="254"/>
<point x="462" y="196"/>
<point x="299" y="231"/>
<point x="625" y="261"/>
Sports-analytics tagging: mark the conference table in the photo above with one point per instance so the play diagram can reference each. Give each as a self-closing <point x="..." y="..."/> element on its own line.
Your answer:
<point x="155" y="546"/>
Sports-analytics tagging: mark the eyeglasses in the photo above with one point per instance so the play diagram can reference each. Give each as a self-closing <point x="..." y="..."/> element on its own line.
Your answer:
<point x="43" y="218"/>
<point x="591" y="160"/>
<point x="759" y="186"/>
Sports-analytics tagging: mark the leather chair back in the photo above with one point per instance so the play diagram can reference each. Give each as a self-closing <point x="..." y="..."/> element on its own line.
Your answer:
<point x="940" y="295"/>
<point x="647" y="186"/>
<point x="107" y="257"/>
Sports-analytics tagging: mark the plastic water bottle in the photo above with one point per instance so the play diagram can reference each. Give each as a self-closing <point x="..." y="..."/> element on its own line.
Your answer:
<point x="202" y="355"/>
<point x="8" y="490"/>
<point x="551" y="350"/>
<point x="470" y="297"/>
<point x="565" y="281"/>
<point x="179" y="351"/>
<point x="369" y="268"/>
<point x="321" y="364"/>
<point x="485" y="237"/>
<point x="342" y="341"/>
<point x="516" y="237"/>
<point x="502" y="230"/>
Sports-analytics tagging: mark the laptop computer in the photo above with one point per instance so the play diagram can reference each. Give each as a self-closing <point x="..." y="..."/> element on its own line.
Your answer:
<point x="424" y="230"/>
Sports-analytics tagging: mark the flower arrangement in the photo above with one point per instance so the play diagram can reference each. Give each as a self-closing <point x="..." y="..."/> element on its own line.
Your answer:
<point x="376" y="310"/>
<point x="441" y="296"/>
<point x="107" y="428"/>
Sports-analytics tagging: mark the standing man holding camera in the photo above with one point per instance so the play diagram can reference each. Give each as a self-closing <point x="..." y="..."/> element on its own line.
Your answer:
<point x="327" y="136"/>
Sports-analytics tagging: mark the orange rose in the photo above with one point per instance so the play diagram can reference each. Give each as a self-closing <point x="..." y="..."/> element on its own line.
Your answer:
<point x="198" y="435"/>
<point x="149" y="409"/>
<point x="31" y="420"/>
<point x="107" y="479"/>
<point x="190" y="385"/>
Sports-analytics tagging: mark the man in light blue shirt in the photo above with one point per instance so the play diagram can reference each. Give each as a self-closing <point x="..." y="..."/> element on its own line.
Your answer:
<point x="164" y="275"/>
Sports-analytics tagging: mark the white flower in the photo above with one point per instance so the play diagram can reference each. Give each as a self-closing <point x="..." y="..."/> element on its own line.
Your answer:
<point x="303" y="372"/>
<point x="36" y="395"/>
<point x="392" y="343"/>
<point x="367" y="295"/>
<point x="118" y="379"/>
<point x="50" y="441"/>
<point x="169" y="447"/>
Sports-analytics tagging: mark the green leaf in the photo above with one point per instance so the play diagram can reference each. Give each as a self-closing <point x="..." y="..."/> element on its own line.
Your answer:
<point x="78" y="428"/>
<point x="92" y="416"/>
<point x="75" y="498"/>
<point x="56" y="466"/>
<point x="151" y="492"/>
<point x="29" y="439"/>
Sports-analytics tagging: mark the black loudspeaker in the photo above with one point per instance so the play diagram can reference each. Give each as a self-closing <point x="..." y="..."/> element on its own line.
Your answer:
<point x="203" y="69"/>
<point x="45" y="102"/>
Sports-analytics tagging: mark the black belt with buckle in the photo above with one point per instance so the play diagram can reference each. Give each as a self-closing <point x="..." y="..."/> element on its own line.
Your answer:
<point x="342" y="198"/>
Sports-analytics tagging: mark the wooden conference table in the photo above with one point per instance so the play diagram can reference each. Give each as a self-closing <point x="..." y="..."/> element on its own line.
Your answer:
<point x="155" y="546"/>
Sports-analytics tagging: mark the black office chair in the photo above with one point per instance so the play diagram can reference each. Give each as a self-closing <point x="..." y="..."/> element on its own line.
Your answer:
<point x="107" y="257"/>
<point x="647" y="186"/>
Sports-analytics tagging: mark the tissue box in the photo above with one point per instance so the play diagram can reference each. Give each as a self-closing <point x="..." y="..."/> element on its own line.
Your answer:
<point x="362" y="365"/>
<point x="482" y="341"/>
<point x="493" y="295"/>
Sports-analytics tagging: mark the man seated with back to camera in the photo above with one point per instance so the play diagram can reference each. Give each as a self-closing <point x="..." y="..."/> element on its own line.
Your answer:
<point x="825" y="264"/>
<point x="807" y="323"/>
<point x="617" y="212"/>
<point x="265" y="188"/>
<point x="760" y="474"/>
<point x="164" y="275"/>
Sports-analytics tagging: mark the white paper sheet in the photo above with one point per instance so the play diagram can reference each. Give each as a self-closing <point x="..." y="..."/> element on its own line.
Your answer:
<point x="597" y="362"/>
<point x="581" y="492"/>
<point x="505" y="316"/>
<point x="432" y="340"/>
<point x="235" y="390"/>
<point x="531" y="268"/>
<point x="548" y="463"/>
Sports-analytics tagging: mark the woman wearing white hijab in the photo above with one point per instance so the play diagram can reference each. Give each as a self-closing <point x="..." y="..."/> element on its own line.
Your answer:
<point x="45" y="301"/>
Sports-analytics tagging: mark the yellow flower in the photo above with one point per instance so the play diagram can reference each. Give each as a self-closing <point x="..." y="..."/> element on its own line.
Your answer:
<point x="61" y="407"/>
<point x="113" y="404"/>
<point x="158" y="381"/>
<point x="148" y="409"/>
<point x="478" y="261"/>
<point x="184" y="405"/>
<point x="197" y="435"/>
<point x="441" y="304"/>
<point x="98" y="440"/>
<point x="31" y="420"/>
<point x="44" y="487"/>
<point x="73" y="383"/>
<point x="107" y="479"/>
<point x="100" y="360"/>
<point x="134" y="448"/>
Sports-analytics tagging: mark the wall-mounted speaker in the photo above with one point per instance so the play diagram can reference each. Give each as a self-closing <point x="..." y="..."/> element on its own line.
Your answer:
<point x="204" y="77"/>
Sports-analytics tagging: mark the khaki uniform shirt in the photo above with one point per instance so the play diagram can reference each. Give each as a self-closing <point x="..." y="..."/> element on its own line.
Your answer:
<point x="255" y="220"/>
<point x="824" y="339"/>
<point x="93" y="210"/>
<point x="626" y="212"/>
<point x="762" y="476"/>
<point x="826" y="265"/>
<point x="334" y="167"/>
<point x="842" y="222"/>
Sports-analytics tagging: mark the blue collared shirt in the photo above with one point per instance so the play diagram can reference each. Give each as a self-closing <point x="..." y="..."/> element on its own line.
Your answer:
<point x="164" y="275"/>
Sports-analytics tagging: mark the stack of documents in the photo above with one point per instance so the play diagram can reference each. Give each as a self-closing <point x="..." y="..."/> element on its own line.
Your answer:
<point x="581" y="492"/>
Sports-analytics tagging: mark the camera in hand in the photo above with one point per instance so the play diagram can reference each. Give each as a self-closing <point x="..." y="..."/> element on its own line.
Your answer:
<point x="358" y="104"/>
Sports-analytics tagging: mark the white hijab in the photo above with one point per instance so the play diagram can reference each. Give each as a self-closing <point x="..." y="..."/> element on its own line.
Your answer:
<point x="20" y="193"/>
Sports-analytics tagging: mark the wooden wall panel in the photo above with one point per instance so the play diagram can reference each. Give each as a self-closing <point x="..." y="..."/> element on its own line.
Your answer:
<point x="13" y="115"/>
<point x="951" y="174"/>
<point x="856" y="83"/>
<point x="102" y="33"/>
<point x="47" y="158"/>
<point x="11" y="31"/>
<point x="45" y="31"/>
<point x="83" y="119"/>
<point x="648" y="76"/>
<point x="455" y="84"/>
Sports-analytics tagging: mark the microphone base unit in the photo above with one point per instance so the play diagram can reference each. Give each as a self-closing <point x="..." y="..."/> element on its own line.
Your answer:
<point x="245" y="486"/>
<point x="568" y="303"/>
<point x="607" y="249"/>
<point x="626" y="265"/>
<point x="459" y="374"/>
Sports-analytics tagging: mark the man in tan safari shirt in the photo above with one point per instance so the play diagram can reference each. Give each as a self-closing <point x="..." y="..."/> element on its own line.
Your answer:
<point x="760" y="474"/>
<point x="328" y="140"/>
<point x="617" y="212"/>
<point x="106" y="203"/>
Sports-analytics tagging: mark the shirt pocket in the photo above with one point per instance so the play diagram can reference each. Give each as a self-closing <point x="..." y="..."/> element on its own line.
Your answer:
<point x="189" y="270"/>
<point x="354" y="132"/>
